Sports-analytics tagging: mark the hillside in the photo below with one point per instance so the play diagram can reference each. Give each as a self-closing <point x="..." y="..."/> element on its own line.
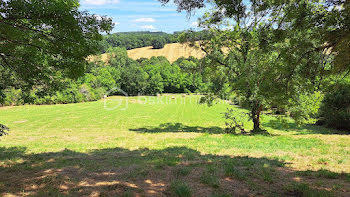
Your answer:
<point x="171" y="51"/>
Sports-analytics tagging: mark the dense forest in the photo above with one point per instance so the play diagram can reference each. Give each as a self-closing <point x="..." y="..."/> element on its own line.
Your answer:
<point x="141" y="77"/>
<point x="132" y="40"/>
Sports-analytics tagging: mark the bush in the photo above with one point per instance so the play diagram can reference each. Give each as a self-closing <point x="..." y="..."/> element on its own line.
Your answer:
<point x="13" y="97"/>
<point x="335" y="109"/>
<point x="158" y="43"/>
<point x="306" y="107"/>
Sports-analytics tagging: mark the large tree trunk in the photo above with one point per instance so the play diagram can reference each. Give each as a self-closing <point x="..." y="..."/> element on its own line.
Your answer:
<point x="256" y="111"/>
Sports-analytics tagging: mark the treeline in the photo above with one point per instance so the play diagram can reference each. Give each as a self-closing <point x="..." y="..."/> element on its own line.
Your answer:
<point x="132" y="40"/>
<point x="141" y="77"/>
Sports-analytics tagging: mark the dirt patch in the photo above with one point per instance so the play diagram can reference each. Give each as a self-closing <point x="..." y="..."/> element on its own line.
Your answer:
<point x="20" y="121"/>
<point x="144" y="172"/>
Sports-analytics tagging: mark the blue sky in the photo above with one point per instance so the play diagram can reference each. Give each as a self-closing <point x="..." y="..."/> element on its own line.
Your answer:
<point x="142" y="15"/>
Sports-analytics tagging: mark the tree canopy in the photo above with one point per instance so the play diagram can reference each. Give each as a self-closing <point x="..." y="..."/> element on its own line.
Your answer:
<point x="330" y="21"/>
<point x="132" y="40"/>
<point x="44" y="39"/>
<point x="158" y="43"/>
<point x="272" y="52"/>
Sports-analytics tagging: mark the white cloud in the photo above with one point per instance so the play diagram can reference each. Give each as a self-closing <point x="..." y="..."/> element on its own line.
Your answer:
<point x="100" y="2"/>
<point x="145" y="20"/>
<point x="195" y="24"/>
<point x="148" y="27"/>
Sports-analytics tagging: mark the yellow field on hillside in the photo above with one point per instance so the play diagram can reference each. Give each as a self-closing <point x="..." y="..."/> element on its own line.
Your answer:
<point x="171" y="51"/>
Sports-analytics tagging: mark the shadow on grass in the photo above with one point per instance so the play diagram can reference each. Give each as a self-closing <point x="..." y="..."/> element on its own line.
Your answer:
<point x="179" y="127"/>
<point x="144" y="172"/>
<point x="303" y="129"/>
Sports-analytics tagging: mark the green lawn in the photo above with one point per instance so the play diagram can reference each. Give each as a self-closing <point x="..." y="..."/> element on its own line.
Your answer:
<point x="159" y="146"/>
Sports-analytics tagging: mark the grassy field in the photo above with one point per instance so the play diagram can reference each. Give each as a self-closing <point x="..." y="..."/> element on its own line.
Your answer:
<point x="160" y="146"/>
<point x="171" y="51"/>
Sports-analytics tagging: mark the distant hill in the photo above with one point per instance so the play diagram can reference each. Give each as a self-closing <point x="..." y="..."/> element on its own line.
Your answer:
<point x="171" y="51"/>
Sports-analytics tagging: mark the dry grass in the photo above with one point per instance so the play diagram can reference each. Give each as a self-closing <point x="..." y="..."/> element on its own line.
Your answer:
<point x="171" y="51"/>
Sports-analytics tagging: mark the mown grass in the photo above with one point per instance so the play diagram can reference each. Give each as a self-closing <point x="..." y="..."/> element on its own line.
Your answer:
<point x="140" y="146"/>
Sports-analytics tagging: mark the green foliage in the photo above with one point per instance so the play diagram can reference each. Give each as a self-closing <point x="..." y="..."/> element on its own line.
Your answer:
<point x="335" y="109"/>
<point x="266" y="63"/>
<point x="209" y="99"/>
<point x="306" y="107"/>
<point x="326" y="20"/>
<point x="234" y="121"/>
<point x="13" y="97"/>
<point x="118" y="57"/>
<point x="132" y="40"/>
<point x="158" y="43"/>
<point x="41" y="40"/>
<point x="141" y="77"/>
<point x="134" y="80"/>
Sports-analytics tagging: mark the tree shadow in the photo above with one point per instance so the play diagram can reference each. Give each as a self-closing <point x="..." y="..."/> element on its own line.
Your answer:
<point x="179" y="127"/>
<point x="145" y="172"/>
<point x="11" y="153"/>
<point x="303" y="129"/>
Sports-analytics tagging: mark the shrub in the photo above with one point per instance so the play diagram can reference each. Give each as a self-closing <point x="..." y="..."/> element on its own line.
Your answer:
<point x="335" y="108"/>
<point x="13" y="97"/>
<point x="158" y="43"/>
<point x="306" y="107"/>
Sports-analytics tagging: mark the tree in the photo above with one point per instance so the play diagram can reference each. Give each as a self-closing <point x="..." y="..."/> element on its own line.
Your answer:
<point x="117" y="57"/>
<point x="42" y="37"/>
<point x="132" y="40"/>
<point x="158" y="43"/>
<point x="134" y="80"/>
<point x="335" y="109"/>
<point x="330" y="22"/>
<point x="267" y="61"/>
<point x="43" y="40"/>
